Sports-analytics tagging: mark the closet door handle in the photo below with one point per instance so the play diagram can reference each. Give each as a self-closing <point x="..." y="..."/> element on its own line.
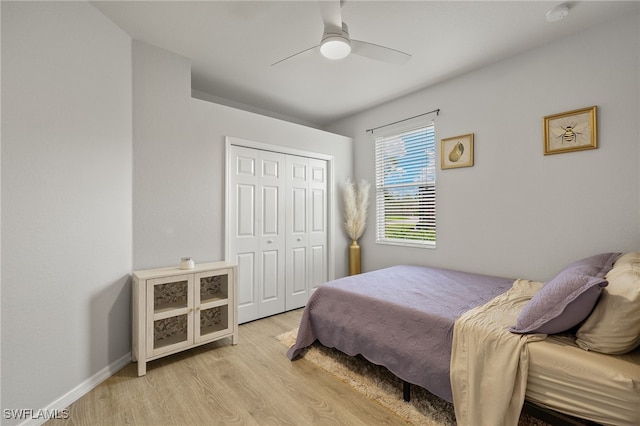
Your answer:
<point x="269" y="241"/>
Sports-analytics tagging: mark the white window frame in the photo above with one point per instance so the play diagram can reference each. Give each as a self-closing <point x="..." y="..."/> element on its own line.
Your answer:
<point x="400" y="153"/>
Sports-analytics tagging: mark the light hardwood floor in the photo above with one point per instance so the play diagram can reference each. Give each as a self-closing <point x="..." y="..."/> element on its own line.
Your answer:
<point x="251" y="383"/>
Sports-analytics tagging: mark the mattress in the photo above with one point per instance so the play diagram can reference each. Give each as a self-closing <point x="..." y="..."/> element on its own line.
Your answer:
<point x="593" y="386"/>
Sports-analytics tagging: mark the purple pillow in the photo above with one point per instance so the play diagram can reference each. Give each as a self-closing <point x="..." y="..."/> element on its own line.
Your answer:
<point x="568" y="298"/>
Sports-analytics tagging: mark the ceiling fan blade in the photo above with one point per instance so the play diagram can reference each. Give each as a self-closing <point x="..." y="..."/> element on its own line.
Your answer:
<point x="379" y="53"/>
<point x="331" y="14"/>
<point x="296" y="55"/>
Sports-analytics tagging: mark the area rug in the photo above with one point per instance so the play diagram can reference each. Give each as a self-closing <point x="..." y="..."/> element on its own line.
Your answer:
<point x="377" y="383"/>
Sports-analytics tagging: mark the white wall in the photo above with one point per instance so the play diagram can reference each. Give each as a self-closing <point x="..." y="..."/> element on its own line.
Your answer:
<point x="108" y="165"/>
<point x="516" y="212"/>
<point x="198" y="94"/>
<point x="179" y="162"/>
<point x="66" y="200"/>
<point x="1" y="212"/>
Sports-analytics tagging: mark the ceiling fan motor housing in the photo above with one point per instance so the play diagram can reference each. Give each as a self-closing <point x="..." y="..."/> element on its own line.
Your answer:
<point x="335" y="42"/>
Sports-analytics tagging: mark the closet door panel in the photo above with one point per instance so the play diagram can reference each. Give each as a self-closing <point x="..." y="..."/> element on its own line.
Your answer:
<point x="244" y="235"/>
<point x="256" y="225"/>
<point x="245" y="207"/>
<point x="297" y="223"/>
<point x="299" y="271"/>
<point x="247" y="289"/>
<point x="299" y="211"/>
<point x="318" y="240"/>
<point x="272" y="236"/>
<point x="270" y="222"/>
<point x="269" y="276"/>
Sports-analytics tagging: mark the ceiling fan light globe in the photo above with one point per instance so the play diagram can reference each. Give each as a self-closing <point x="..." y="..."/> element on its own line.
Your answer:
<point x="335" y="47"/>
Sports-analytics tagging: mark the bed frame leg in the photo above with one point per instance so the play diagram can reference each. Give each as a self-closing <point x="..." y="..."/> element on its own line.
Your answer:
<point x="406" y="391"/>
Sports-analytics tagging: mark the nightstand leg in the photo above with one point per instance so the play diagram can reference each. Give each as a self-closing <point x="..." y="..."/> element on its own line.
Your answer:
<point x="142" y="368"/>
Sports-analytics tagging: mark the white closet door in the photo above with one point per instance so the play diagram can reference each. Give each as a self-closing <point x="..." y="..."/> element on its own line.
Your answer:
<point x="297" y="230"/>
<point x="256" y="230"/>
<point x="318" y="235"/>
<point x="306" y="233"/>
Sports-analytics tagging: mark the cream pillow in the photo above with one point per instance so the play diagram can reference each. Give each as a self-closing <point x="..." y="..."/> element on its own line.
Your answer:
<point x="614" y="325"/>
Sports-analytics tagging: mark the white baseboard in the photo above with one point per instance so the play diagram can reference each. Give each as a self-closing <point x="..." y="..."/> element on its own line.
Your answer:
<point x="82" y="389"/>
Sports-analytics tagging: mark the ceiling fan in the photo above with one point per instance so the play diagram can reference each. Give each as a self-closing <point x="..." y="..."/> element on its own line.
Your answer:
<point x="336" y="43"/>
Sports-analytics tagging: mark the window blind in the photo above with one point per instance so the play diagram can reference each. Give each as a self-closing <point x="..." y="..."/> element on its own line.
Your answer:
<point x="405" y="187"/>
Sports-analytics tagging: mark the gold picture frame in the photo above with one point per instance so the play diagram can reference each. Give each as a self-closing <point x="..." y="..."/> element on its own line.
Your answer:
<point x="456" y="152"/>
<point x="570" y="131"/>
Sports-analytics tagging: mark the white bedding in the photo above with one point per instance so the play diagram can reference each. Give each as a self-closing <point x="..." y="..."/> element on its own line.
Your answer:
<point x="489" y="364"/>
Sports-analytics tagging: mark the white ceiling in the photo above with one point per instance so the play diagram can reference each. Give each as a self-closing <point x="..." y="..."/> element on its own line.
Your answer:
<point x="232" y="45"/>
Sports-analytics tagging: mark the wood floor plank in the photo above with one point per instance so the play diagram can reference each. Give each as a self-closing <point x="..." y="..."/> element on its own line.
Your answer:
<point x="251" y="383"/>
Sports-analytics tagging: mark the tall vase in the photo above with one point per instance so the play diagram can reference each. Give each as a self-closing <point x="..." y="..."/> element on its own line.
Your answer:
<point x="354" y="258"/>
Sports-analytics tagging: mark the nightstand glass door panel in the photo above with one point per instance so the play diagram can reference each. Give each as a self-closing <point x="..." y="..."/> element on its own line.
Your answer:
<point x="212" y="304"/>
<point x="170" y="305"/>
<point x="213" y="321"/>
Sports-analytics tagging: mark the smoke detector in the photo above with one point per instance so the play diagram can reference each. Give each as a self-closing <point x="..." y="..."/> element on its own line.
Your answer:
<point x="557" y="13"/>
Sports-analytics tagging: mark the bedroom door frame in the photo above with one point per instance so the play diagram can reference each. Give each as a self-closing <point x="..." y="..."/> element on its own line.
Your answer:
<point x="330" y="193"/>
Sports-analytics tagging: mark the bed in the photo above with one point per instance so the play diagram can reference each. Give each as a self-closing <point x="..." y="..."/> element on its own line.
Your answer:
<point x="410" y="320"/>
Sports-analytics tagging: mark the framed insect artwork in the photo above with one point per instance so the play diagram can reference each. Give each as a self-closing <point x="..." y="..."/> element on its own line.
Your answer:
<point x="456" y="152"/>
<point x="570" y="131"/>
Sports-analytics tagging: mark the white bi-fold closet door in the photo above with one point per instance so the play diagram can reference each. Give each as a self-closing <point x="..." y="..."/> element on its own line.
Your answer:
<point x="276" y="228"/>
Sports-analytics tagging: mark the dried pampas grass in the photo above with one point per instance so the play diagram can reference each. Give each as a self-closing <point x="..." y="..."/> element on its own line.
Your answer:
<point x="356" y="203"/>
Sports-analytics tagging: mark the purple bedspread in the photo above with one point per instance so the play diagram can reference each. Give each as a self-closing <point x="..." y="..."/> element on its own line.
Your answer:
<point x="400" y="317"/>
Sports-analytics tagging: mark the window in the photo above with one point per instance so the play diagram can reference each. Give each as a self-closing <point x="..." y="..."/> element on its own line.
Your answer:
<point x="405" y="188"/>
